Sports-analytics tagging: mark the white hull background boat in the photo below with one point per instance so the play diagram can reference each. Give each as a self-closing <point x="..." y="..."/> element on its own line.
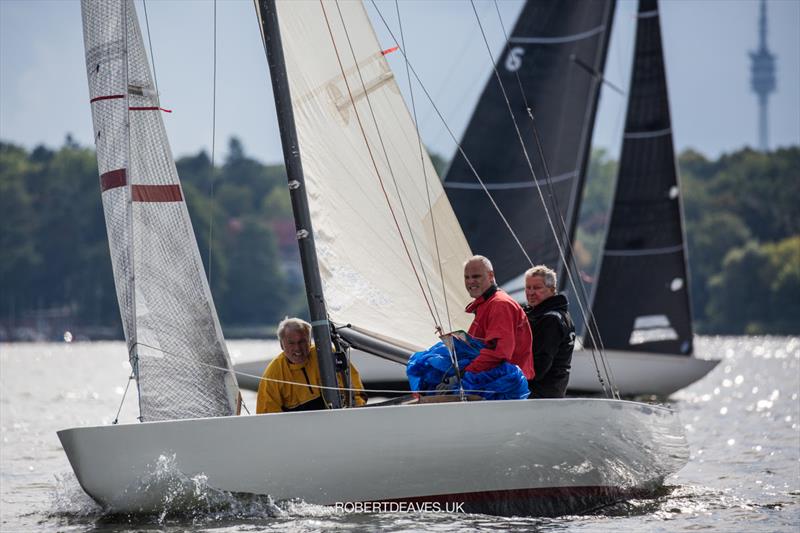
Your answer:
<point x="528" y="457"/>
<point x="531" y="457"/>
<point x="635" y="373"/>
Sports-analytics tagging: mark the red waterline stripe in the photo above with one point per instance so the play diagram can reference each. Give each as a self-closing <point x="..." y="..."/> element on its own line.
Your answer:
<point x="156" y="193"/>
<point x="113" y="179"/>
<point x="150" y="109"/>
<point x="390" y="50"/>
<point x="525" y="494"/>
<point x="109" y="97"/>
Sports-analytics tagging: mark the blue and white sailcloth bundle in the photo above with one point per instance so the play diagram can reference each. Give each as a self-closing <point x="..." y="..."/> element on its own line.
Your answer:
<point x="429" y="369"/>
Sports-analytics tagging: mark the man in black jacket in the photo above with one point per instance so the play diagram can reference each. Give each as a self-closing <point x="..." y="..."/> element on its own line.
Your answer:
<point x="553" y="333"/>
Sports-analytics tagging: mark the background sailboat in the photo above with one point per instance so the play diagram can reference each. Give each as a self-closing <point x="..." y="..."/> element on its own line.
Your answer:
<point x="641" y="301"/>
<point x="645" y="248"/>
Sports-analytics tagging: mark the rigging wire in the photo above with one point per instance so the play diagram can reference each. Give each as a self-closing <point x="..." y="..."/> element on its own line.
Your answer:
<point x="570" y="265"/>
<point x="422" y="151"/>
<point x="369" y="150"/>
<point x="152" y="56"/>
<point x="122" y="401"/>
<point x="213" y="141"/>
<point x="530" y="164"/>
<point x="302" y="383"/>
<point x="450" y="347"/>
<point x="437" y="318"/>
<point x="133" y="355"/>
<point x="456" y="141"/>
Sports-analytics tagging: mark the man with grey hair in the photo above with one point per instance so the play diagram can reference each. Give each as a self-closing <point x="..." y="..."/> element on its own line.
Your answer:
<point x="291" y="381"/>
<point x="553" y="333"/>
<point x="499" y="321"/>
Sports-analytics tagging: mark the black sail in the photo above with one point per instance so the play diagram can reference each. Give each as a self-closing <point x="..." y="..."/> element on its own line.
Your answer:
<point x="641" y="301"/>
<point x="558" y="48"/>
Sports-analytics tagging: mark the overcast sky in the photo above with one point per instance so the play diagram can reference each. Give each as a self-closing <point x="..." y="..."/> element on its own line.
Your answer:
<point x="44" y="95"/>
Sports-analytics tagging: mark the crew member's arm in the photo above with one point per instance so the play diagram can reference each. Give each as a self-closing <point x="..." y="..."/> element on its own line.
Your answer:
<point x="499" y="339"/>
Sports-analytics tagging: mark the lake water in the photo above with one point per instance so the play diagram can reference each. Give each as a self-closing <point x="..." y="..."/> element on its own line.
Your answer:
<point x="742" y="422"/>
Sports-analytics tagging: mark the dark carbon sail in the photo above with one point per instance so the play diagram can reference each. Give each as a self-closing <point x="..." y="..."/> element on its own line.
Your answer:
<point x="558" y="49"/>
<point x="641" y="301"/>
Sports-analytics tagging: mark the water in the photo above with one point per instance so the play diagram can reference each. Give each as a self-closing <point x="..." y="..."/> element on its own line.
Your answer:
<point x="742" y="422"/>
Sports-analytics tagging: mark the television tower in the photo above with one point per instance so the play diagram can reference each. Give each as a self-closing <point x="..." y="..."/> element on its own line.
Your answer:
<point x="762" y="77"/>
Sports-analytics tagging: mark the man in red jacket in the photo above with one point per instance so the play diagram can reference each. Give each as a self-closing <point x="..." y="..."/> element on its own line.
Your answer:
<point x="499" y="321"/>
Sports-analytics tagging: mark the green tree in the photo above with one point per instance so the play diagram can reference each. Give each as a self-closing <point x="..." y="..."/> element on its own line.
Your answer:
<point x="257" y="288"/>
<point x="758" y="289"/>
<point x="595" y="210"/>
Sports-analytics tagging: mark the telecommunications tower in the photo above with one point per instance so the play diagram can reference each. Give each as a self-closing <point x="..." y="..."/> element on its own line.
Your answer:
<point x="762" y="77"/>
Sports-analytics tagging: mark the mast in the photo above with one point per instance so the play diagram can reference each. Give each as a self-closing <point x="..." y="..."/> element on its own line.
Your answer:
<point x="268" y="18"/>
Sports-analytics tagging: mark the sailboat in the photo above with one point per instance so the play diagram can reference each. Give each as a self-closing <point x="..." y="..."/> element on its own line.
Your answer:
<point x="553" y="67"/>
<point x="361" y="188"/>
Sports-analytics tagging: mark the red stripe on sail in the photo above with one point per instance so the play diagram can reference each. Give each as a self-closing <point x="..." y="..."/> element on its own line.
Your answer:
<point x="109" y="97"/>
<point x="113" y="179"/>
<point x="390" y="50"/>
<point x="150" y="109"/>
<point x="156" y="193"/>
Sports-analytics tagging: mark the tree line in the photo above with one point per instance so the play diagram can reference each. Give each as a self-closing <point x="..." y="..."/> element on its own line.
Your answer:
<point x="741" y="216"/>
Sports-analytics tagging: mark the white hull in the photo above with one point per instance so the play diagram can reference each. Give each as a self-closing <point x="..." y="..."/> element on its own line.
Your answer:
<point x="507" y="457"/>
<point x="639" y="373"/>
<point x="635" y="373"/>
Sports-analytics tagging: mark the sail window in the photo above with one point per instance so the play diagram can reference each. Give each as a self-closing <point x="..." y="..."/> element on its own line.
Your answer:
<point x="676" y="285"/>
<point x="673" y="192"/>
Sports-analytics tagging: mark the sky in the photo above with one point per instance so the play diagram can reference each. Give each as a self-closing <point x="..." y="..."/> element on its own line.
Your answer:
<point x="44" y="93"/>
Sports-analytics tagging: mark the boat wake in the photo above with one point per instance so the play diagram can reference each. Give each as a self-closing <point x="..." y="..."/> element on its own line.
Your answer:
<point x="186" y="499"/>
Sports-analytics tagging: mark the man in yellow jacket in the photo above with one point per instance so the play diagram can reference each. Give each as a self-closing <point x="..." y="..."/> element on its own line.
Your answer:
<point x="289" y="381"/>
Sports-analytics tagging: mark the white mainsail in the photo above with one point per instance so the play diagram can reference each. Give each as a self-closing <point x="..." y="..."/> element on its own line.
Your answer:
<point x="378" y="207"/>
<point x="171" y="327"/>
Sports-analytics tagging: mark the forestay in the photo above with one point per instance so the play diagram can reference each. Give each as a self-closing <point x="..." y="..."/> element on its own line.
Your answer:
<point x="376" y="202"/>
<point x="173" y="335"/>
<point x="553" y="64"/>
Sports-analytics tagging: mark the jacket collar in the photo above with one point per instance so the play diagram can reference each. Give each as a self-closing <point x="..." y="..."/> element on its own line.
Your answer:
<point x="473" y="306"/>
<point x="557" y="302"/>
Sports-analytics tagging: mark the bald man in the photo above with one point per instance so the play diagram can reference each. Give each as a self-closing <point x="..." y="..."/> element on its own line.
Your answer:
<point x="499" y="321"/>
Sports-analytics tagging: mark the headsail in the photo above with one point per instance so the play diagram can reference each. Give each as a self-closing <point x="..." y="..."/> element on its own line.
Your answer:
<point x="645" y="250"/>
<point x="558" y="50"/>
<point x="174" y="338"/>
<point x="378" y="208"/>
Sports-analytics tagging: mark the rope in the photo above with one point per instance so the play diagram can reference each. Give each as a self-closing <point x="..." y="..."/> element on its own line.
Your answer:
<point x="150" y="44"/>
<point x="372" y="157"/>
<point x="213" y="142"/>
<point x="133" y="357"/>
<point x="455" y="140"/>
<point x="422" y="151"/>
<point x="124" y="394"/>
<point x="559" y="244"/>
<point x="582" y="298"/>
<point x="286" y="382"/>
<point x="437" y="318"/>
